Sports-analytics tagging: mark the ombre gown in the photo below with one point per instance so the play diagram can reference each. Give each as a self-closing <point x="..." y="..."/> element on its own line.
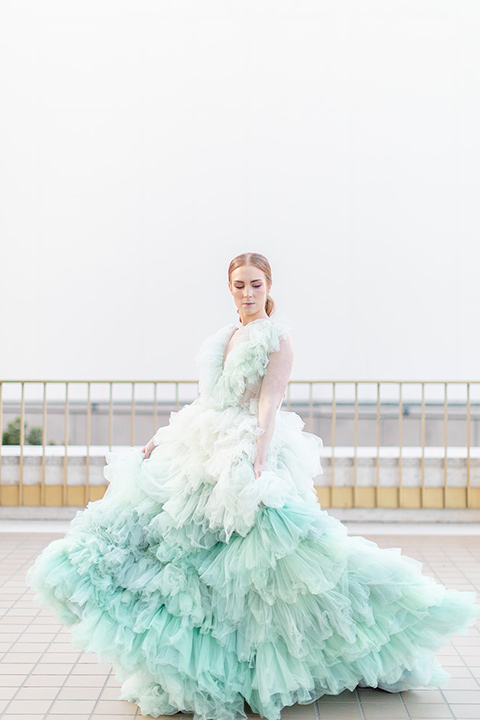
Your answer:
<point x="205" y="586"/>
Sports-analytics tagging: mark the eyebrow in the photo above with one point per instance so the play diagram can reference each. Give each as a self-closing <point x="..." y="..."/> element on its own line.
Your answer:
<point x="241" y="281"/>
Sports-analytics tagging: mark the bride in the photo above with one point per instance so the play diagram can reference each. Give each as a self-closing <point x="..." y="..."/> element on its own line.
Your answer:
<point x="210" y="577"/>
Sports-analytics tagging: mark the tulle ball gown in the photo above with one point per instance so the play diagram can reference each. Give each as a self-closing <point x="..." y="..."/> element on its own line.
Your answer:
<point x="206" y="587"/>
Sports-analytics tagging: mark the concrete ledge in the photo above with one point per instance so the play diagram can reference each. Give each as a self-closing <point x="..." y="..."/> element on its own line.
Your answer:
<point x="402" y="515"/>
<point x="411" y="529"/>
<point x="343" y="466"/>
<point x="350" y="515"/>
<point x="12" y="512"/>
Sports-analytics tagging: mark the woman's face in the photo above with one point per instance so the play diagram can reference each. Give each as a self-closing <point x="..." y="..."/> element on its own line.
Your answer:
<point x="249" y="288"/>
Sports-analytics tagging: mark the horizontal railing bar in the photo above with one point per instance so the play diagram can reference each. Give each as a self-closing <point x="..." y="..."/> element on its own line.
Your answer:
<point x="295" y="382"/>
<point x="315" y="403"/>
<point x="115" y="382"/>
<point x="387" y="382"/>
<point x="298" y="407"/>
<point x="343" y="413"/>
<point x="324" y="401"/>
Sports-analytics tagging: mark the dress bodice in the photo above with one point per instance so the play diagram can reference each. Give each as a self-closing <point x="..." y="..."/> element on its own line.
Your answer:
<point x="237" y="378"/>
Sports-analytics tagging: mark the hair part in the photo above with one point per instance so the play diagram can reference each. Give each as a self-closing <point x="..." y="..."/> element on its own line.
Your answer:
<point x="260" y="262"/>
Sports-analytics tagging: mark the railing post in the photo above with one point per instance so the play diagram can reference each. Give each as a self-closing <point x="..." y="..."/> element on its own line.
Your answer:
<point x="65" y="457"/>
<point x="110" y="418"/>
<point x="132" y="417"/>
<point x="468" y="447"/>
<point x="423" y="446"/>
<point x="377" y="489"/>
<point x="89" y="430"/>
<point x="22" y="443"/>
<point x="1" y="439"/>
<point x="334" y="418"/>
<point x="310" y="407"/>
<point x="445" y="440"/>
<point x="355" y="443"/>
<point x="155" y="409"/>
<point x="400" y="444"/>
<point x="43" y="493"/>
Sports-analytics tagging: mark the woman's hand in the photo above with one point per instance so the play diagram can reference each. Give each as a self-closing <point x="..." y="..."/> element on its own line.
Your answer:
<point x="148" y="449"/>
<point x="258" y="467"/>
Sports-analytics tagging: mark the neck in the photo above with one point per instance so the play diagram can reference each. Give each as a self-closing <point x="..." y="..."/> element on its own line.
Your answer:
<point x="250" y="318"/>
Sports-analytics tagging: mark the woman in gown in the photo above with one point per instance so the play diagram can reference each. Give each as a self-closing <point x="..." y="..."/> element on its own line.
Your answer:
<point x="209" y="576"/>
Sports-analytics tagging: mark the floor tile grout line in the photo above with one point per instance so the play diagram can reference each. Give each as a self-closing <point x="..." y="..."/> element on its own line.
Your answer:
<point x="76" y="662"/>
<point x="22" y="633"/>
<point x="466" y="665"/>
<point x="17" y="571"/>
<point x="452" y="560"/>
<point x="472" y="557"/>
<point x="51" y="642"/>
<point x="31" y="559"/>
<point x="448" y="555"/>
<point x="12" y="551"/>
<point x="34" y="617"/>
<point x="31" y="671"/>
<point x="359" y="704"/>
<point x="100" y="694"/>
<point x="447" y="703"/>
<point x="402" y="700"/>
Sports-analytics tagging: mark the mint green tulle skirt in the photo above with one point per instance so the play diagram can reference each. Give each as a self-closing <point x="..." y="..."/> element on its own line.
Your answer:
<point x="289" y="610"/>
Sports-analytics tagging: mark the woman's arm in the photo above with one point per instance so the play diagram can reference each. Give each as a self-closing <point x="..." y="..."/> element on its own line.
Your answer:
<point x="272" y="391"/>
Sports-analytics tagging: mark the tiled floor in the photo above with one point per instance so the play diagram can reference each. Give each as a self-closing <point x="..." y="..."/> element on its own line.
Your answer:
<point x="42" y="676"/>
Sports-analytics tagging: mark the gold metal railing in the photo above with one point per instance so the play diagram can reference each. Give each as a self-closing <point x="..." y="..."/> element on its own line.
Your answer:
<point x="455" y="497"/>
<point x="330" y="494"/>
<point x="15" y="495"/>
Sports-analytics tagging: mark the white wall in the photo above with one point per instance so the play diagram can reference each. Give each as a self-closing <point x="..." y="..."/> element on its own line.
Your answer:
<point x="143" y="144"/>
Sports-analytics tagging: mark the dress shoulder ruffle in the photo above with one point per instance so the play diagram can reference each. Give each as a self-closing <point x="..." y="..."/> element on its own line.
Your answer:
<point x="226" y="383"/>
<point x="209" y="357"/>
